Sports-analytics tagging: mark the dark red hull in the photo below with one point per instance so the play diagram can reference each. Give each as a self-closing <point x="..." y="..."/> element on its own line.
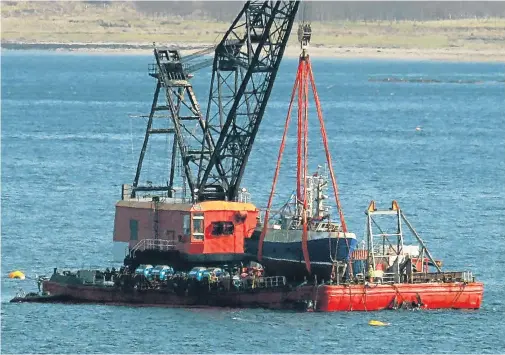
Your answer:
<point x="327" y="298"/>
<point x="276" y="298"/>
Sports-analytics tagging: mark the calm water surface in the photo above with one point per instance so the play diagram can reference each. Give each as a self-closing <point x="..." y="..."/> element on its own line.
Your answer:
<point x="67" y="146"/>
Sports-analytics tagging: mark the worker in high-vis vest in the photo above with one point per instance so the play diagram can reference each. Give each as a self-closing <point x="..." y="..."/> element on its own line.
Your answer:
<point x="375" y="274"/>
<point x="370" y="273"/>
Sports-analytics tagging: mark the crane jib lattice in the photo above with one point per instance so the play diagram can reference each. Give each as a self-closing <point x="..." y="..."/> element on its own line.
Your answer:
<point x="213" y="149"/>
<point x="244" y="70"/>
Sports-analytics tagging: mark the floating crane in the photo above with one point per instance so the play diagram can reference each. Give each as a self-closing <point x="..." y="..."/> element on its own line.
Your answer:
<point x="200" y="216"/>
<point x="212" y="148"/>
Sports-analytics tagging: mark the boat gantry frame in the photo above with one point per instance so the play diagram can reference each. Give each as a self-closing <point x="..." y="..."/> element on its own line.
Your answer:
<point x="390" y="245"/>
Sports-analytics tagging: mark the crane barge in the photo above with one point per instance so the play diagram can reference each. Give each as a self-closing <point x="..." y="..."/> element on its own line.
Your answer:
<point x="391" y="272"/>
<point x="211" y="219"/>
<point x="206" y="223"/>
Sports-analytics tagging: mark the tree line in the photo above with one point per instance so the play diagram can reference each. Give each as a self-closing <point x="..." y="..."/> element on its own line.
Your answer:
<point x="327" y="11"/>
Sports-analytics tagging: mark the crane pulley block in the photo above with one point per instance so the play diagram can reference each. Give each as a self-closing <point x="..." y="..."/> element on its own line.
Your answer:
<point x="304" y="34"/>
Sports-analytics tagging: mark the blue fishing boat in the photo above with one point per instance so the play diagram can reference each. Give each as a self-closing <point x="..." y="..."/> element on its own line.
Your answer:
<point x="327" y="244"/>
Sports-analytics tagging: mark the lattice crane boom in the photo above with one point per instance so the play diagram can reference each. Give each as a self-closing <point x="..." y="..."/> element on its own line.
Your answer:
<point x="244" y="70"/>
<point x="212" y="149"/>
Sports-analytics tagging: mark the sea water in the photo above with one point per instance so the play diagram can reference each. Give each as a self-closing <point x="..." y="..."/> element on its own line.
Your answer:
<point x="71" y="136"/>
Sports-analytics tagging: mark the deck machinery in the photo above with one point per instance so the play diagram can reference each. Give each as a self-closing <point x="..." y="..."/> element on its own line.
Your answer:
<point x="206" y="221"/>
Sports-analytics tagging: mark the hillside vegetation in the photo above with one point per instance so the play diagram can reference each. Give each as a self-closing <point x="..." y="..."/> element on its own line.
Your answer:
<point x="201" y="22"/>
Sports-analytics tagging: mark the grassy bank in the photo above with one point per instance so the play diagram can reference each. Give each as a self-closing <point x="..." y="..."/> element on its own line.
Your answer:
<point x="70" y="22"/>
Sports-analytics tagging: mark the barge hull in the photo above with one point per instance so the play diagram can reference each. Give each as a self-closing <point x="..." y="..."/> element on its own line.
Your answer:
<point x="276" y="298"/>
<point x="374" y="297"/>
<point x="324" y="298"/>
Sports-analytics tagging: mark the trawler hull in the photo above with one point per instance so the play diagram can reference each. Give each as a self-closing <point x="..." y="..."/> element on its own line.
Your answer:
<point x="285" y="257"/>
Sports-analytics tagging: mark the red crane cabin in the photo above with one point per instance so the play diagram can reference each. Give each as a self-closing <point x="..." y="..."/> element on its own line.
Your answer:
<point x="209" y="230"/>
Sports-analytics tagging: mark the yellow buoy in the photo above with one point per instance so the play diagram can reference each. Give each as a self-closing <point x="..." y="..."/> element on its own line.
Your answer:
<point x="17" y="275"/>
<point x="377" y="323"/>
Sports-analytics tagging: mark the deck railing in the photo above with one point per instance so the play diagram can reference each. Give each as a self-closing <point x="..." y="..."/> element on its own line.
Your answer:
<point x="423" y="277"/>
<point x="153" y="244"/>
<point x="468" y="276"/>
<point x="388" y="277"/>
<point x="269" y="282"/>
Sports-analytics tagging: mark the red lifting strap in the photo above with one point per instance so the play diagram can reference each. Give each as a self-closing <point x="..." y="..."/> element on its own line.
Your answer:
<point x="303" y="76"/>
<point x="279" y="158"/>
